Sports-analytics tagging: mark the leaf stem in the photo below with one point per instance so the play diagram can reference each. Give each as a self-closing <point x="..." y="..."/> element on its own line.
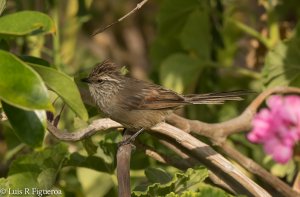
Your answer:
<point x="56" y="40"/>
<point x="252" y="32"/>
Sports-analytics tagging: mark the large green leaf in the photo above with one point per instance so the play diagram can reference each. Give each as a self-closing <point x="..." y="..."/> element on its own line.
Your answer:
<point x="38" y="169"/>
<point x="29" y="126"/>
<point x="26" y="23"/>
<point x="282" y="66"/>
<point x="190" y="180"/>
<point x="179" y="71"/>
<point x="20" y="85"/>
<point x="173" y="14"/>
<point x="196" y="34"/>
<point x="64" y="86"/>
<point x="177" y="26"/>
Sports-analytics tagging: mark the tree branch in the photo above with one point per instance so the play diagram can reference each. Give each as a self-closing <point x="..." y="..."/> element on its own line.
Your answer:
<point x="123" y="166"/>
<point x="181" y="163"/>
<point x="93" y="128"/>
<point x="211" y="159"/>
<point x="218" y="132"/>
<point x="206" y="154"/>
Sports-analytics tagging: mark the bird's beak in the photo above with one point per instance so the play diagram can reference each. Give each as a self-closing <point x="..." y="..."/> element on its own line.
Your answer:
<point x="86" y="80"/>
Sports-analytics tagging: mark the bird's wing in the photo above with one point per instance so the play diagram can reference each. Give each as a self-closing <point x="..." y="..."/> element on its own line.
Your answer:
<point x="140" y="95"/>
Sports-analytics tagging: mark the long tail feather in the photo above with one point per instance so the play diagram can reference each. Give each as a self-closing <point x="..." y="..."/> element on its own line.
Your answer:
<point x="216" y="98"/>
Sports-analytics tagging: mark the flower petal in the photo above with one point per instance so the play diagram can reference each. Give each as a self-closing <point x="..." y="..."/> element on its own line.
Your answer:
<point x="282" y="154"/>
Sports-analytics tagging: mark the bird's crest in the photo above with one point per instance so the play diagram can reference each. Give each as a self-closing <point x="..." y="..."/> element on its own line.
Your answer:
<point x="107" y="67"/>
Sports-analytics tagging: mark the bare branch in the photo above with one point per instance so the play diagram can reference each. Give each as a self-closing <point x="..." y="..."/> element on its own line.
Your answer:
<point x="138" y="6"/>
<point x="93" y="128"/>
<point x="202" y="151"/>
<point x="211" y="159"/>
<point x="218" y="132"/>
<point x="175" y="147"/>
<point x="181" y="163"/>
<point x="123" y="167"/>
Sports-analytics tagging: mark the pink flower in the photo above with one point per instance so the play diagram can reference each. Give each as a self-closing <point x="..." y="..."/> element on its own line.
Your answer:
<point x="278" y="127"/>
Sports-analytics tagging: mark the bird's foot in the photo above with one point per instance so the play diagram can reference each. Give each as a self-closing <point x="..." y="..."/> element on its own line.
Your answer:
<point x="130" y="139"/>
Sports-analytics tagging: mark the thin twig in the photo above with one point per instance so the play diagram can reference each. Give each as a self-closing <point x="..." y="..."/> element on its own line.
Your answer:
<point x="57" y="118"/>
<point x="138" y="6"/>
<point x="175" y="147"/>
<point x="180" y="164"/>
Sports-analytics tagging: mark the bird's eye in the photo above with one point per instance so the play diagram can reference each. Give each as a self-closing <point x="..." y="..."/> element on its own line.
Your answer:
<point x="99" y="80"/>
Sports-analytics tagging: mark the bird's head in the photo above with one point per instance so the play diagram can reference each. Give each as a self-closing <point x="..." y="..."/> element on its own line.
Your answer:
<point x="106" y="71"/>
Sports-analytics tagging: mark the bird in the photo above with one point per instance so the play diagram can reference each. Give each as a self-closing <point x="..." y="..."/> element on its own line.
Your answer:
<point x="138" y="104"/>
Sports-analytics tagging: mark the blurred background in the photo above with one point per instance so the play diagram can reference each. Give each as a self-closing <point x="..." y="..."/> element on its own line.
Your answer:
<point x="188" y="46"/>
<point x="185" y="46"/>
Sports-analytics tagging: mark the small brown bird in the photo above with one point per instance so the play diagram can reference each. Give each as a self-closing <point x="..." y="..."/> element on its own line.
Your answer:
<point x="139" y="104"/>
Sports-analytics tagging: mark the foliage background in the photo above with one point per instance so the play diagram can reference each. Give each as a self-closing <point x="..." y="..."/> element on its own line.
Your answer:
<point x="189" y="46"/>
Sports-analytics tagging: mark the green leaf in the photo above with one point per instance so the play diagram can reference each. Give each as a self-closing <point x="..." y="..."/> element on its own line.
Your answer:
<point x="11" y="139"/>
<point x="29" y="126"/>
<point x="190" y="180"/>
<point x="173" y="15"/>
<point x="34" y="60"/>
<point x="282" y="65"/>
<point x="89" y="146"/>
<point x="26" y="23"/>
<point x="285" y="170"/>
<point x="88" y="178"/>
<point x="91" y="162"/>
<point x="2" y="6"/>
<point x="208" y="190"/>
<point x="64" y="86"/>
<point x="196" y="36"/>
<point x="157" y="175"/>
<point x="172" y="20"/>
<point x="4" y="187"/>
<point x="94" y="183"/>
<point x="38" y="169"/>
<point x="179" y="71"/>
<point x="20" y="85"/>
<point x="164" y="47"/>
<point x="205" y="191"/>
